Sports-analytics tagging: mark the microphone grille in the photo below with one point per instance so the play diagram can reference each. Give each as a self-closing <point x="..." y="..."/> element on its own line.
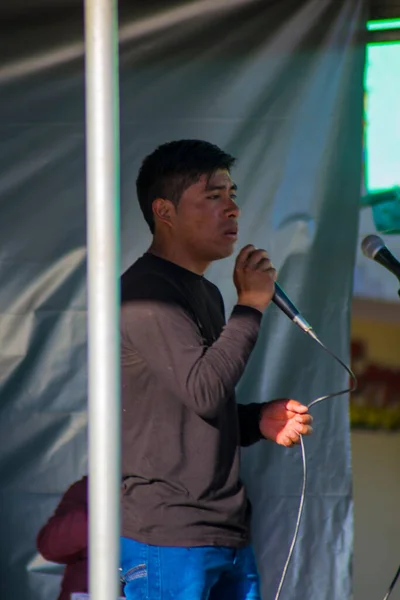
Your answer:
<point x="371" y="245"/>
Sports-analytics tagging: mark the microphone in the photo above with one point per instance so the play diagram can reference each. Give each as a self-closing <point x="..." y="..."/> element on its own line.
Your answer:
<point x="286" y="306"/>
<point x="374" y="248"/>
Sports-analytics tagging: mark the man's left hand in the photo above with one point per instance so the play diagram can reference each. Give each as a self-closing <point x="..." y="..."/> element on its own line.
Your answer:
<point x="283" y="421"/>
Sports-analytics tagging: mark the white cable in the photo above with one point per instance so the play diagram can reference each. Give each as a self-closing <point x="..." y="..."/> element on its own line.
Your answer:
<point x="300" y="512"/>
<point x="303" y="456"/>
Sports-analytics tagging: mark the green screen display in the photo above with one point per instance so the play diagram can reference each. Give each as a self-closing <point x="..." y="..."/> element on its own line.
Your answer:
<point x="382" y="116"/>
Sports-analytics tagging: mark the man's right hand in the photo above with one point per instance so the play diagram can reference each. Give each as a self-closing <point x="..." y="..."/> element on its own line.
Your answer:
<point x="254" y="277"/>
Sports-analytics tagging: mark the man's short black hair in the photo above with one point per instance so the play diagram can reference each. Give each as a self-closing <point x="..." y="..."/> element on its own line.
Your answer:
<point x="172" y="168"/>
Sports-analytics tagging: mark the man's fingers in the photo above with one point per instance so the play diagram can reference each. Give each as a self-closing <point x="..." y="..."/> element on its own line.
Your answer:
<point x="266" y="265"/>
<point x="303" y="429"/>
<point x="243" y="255"/>
<point x="294" y="436"/>
<point x="287" y="442"/>
<point x="274" y="273"/>
<point x="253" y="258"/>
<point x="291" y="440"/>
<point x="256" y="258"/>
<point x="296" y="407"/>
<point x="306" y="418"/>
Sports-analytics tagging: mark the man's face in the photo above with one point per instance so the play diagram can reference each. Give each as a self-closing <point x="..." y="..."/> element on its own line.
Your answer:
<point x="205" y="220"/>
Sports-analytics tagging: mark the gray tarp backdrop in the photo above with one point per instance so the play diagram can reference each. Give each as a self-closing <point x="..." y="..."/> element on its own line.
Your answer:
<point x="278" y="84"/>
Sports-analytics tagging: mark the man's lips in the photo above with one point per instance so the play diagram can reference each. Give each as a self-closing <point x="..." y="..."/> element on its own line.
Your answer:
<point x="231" y="231"/>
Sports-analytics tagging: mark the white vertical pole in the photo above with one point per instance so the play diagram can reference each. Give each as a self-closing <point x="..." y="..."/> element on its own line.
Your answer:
<point x="102" y="167"/>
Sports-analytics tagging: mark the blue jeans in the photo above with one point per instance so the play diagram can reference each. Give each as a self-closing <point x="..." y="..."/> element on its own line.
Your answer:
<point x="203" y="573"/>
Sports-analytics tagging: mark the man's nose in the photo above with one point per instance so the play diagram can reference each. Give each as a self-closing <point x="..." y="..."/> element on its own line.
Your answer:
<point x="232" y="209"/>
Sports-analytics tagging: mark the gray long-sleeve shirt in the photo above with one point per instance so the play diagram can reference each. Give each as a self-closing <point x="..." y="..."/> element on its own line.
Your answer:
<point x="181" y="426"/>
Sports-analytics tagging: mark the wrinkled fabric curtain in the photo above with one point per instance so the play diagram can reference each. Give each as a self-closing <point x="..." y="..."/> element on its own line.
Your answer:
<point x="279" y="85"/>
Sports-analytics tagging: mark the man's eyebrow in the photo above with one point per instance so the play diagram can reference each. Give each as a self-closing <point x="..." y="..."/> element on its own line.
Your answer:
<point x="210" y="188"/>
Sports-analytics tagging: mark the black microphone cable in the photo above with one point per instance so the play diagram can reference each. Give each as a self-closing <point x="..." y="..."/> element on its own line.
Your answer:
<point x="303" y="455"/>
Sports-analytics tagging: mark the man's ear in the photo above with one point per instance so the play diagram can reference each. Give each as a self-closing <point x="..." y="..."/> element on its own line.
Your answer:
<point x="163" y="210"/>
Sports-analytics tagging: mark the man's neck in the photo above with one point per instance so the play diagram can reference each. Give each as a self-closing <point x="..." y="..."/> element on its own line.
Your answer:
<point x="178" y="256"/>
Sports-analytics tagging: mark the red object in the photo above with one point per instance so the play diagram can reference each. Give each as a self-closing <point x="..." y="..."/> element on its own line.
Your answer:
<point x="64" y="539"/>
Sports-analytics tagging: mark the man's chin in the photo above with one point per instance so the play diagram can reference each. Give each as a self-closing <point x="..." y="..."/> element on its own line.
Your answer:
<point x="224" y="253"/>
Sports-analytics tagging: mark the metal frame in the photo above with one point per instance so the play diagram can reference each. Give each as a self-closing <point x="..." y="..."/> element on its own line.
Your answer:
<point x="102" y="179"/>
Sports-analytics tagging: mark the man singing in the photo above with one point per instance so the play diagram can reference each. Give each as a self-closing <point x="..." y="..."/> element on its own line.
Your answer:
<point x="186" y="517"/>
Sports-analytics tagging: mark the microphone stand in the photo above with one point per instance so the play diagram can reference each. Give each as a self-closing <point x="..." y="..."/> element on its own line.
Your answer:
<point x="395" y="578"/>
<point x="374" y="248"/>
<point x="392" y="584"/>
